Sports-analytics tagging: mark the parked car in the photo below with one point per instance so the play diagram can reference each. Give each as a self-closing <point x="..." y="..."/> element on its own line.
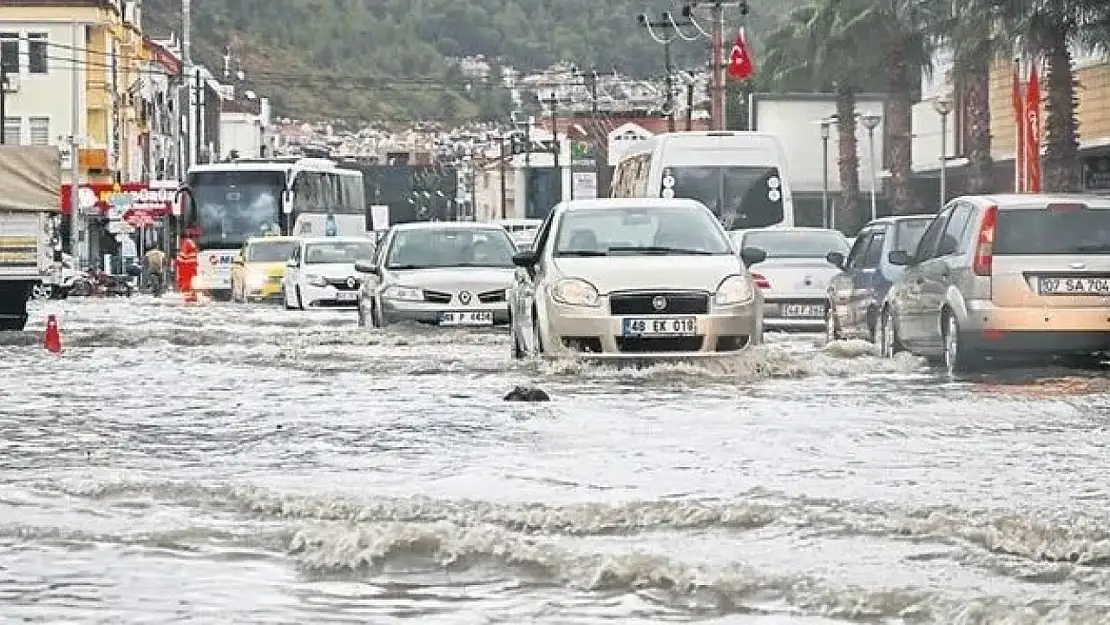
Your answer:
<point x="1004" y="275"/>
<point x="440" y="273"/>
<point x="321" y="272"/>
<point x="795" y="275"/>
<point x="856" y="293"/>
<point x="258" y="268"/>
<point x="639" y="278"/>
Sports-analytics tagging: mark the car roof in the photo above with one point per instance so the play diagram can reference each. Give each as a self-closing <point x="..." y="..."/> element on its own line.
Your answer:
<point x="789" y="229"/>
<point x="448" y="225"/>
<point x="307" y="240"/>
<point x="1034" y="200"/>
<point x="269" y="238"/>
<point x="629" y="202"/>
<point x="894" y="219"/>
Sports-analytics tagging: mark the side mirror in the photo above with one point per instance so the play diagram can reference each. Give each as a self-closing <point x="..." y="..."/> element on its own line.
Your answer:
<point x="291" y="263"/>
<point x="238" y="260"/>
<point x="526" y="259"/>
<point x="366" y="266"/>
<point x="287" y="201"/>
<point x="836" y="259"/>
<point x="752" y="256"/>
<point x="899" y="258"/>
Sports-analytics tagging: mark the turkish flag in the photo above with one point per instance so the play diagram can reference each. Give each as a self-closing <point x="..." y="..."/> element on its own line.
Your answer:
<point x="740" y="64"/>
<point x="1018" y="100"/>
<point x="1032" y="142"/>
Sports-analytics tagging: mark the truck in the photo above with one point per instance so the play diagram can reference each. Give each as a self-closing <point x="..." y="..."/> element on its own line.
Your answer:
<point x="30" y="184"/>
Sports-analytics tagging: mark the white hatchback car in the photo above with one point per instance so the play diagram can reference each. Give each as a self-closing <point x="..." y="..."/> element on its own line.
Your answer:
<point x="321" y="272"/>
<point x="635" y="278"/>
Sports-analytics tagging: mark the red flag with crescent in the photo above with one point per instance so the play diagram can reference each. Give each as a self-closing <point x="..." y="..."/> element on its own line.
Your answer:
<point x="740" y="64"/>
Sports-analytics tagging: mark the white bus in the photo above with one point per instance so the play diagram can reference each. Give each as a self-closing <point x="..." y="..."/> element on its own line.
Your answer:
<point x="741" y="176"/>
<point x="231" y="202"/>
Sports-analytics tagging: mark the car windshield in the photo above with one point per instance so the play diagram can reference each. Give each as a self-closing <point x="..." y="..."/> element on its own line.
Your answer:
<point x="234" y="206"/>
<point x="797" y="244"/>
<point x="625" y="231"/>
<point x="908" y="233"/>
<point x="270" y="251"/>
<point x="338" y="252"/>
<point x="428" y="248"/>
<point x="1059" y="229"/>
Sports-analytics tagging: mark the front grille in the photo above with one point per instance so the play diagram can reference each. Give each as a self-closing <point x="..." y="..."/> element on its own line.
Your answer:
<point x="687" y="303"/>
<point x="436" y="297"/>
<point x="492" y="297"/>
<point x="274" y="280"/>
<point x="340" y="284"/>
<point x="656" y="344"/>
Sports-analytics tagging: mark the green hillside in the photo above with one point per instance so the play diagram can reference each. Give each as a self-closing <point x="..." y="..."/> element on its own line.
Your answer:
<point x="386" y="59"/>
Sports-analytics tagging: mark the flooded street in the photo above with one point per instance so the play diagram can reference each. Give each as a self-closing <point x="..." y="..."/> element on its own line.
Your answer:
<point x="237" y="464"/>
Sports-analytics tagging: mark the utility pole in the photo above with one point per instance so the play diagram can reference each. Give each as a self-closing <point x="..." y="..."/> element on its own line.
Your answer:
<point x="77" y="235"/>
<point x="4" y="102"/>
<point x="717" y="61"/>
<point x="598" y="138"/>
<point x="198" y="140"/>
<point x="689" y="107"/>
<point x="666" y="23"/>
<point x="504" y="174"/>
<point x="553" y="102"/>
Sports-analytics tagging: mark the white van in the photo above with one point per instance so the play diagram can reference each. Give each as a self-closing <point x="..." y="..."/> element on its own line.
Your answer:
<point x="741" y="176"/>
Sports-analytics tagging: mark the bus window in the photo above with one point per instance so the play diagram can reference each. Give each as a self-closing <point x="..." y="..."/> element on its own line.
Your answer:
<point x="742" y="197"/>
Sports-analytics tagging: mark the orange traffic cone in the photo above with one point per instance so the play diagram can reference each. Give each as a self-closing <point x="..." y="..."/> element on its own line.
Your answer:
<point x="52" y="339"/>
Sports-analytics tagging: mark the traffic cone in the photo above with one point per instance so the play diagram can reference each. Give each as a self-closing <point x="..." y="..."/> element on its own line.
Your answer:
<point x="52" y="339"/>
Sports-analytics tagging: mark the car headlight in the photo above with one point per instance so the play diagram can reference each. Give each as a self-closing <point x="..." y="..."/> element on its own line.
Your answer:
<point x="403" y="293"/>
<point x="576" y="292"/>
<point x="734" y="290"/>
<point x="316" y="280"/>
<point x="256" y="281"/>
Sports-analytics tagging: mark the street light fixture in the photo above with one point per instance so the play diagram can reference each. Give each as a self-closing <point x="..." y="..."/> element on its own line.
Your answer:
<point x="871" y="122"/>
<point x="943" y="107"/>
<point x="826" y="125"/>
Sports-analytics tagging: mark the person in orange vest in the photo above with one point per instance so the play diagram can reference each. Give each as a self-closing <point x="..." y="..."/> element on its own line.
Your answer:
<point x="186" y="267"/>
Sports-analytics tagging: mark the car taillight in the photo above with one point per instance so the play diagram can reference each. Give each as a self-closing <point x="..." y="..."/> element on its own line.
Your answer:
<point x="761" y="281"/>
<point x="984" y="248"/>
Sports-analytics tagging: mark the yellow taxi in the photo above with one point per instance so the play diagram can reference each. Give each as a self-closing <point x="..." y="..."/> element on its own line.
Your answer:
<point x="258" y="268"/>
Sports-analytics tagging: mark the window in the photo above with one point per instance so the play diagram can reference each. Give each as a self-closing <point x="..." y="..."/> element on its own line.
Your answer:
<point x="9" y="52"/>
<point x="425" y="248"/>
<point x="874" y="254"/>
<point x="954" y="231"/>
<point x="927" y="247"/>
<point x="40" y="130"/>
<point x="270" y="251"/>
<point x="859" y="250"/>
<point x="338" y="253"/>
<point x="797" y="243"/>
<point x="13" y="130"/>
<point x="639" y="231"/>
<point x="742" y="197"/>
<point x="908" y="233"/>
<point x="1065" y="229"/>
<point x="37" y="53"/>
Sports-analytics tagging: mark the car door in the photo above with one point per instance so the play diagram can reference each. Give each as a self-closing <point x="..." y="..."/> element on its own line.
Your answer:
<point x="936" y="273"/>
<point x="865" y="278"/>
<point x="528" y="279"/>
<point x="912" y="303"/>
<point x="842" y="286"/>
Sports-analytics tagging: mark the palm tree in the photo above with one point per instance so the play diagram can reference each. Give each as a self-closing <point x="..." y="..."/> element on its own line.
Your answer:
<point x="1048" y="28"/>
<point x="811" y="51"/>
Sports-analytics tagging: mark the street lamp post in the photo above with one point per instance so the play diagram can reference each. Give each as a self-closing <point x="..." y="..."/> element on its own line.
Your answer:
<point x="825" y="216"/>
<point x="871" y="122"/>
<point x="943" y="107"/>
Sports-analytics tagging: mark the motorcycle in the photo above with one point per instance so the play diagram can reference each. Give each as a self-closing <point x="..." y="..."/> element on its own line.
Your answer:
<point x="102" y="284"/>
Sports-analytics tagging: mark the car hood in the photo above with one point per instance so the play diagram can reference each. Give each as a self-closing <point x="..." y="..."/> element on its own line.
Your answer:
<point x="332" y="270"/>
<point x="632" y="273"/>
<point x="266" y="269"/>
<point x="451" y="279"/>
<point x="797" y="274"/>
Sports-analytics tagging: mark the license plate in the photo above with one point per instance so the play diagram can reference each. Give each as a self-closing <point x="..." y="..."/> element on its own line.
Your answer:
<point x="346" y="296"/>
<point x="467" y="318"/>
<point x="807" y="311"/>
<point x="659" y="326"/>
<point x="1073" y="286"/>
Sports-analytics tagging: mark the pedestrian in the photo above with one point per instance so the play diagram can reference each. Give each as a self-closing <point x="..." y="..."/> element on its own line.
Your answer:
<point x="156" y="270"/>
<point x="187" y="268"/>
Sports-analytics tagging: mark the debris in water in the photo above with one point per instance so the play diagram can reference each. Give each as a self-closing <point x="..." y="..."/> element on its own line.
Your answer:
<point x="527" y="393"/>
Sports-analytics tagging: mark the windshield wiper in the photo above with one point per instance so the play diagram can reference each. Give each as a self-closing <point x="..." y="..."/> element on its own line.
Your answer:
<point x="654" y="249"/>
<point x="583" y="253"/>
<point x="1094" y="247"/>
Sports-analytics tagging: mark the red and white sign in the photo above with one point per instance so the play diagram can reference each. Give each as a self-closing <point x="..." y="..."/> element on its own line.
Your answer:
<point x="138" y="218"/>
<point x="155" y="199"/>
<point x="740" y="63"/>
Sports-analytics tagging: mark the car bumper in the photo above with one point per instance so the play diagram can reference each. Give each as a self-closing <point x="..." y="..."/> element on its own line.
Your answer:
<point x="327" y="297"/>
<point x="267" y="291"/>
<point x="778" y="313"/>
<point x="594" y="334"/>
<point x="992" y="329"/>
<point x="423" y="312"/>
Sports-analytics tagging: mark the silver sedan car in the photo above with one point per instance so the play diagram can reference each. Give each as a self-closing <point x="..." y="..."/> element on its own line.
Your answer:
<point x="439" y="273"/>
<point x="635" y="278"/>
<point x="795" y="276"/>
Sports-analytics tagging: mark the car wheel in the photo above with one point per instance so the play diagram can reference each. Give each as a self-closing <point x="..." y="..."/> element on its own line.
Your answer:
<point x="889" y="344"/>
<point x="376" y="317"/>
<point x="518" y="351"/>
<point x="832" y="333"/>
<point x="537" y="335"/>
<point x="285" y="299"/>
<point x="300" y="300"/>
<point x="361" y="316"/>
<point x="957" y="358"/>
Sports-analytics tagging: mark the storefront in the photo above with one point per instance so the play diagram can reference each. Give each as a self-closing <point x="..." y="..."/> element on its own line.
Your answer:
<point x="123" y="219"/>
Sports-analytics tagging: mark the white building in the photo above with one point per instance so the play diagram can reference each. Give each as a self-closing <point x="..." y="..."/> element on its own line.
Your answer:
<point x="245" y="123"/>
<point x="160" y="99"/>
<point x="39" y="95"/>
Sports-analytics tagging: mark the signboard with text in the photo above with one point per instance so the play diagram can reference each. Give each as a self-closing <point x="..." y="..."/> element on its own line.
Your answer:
<point x="116" y="201"/>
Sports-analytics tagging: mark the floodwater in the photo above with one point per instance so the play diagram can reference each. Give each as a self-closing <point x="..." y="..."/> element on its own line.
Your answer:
<point x="232" y="464"/>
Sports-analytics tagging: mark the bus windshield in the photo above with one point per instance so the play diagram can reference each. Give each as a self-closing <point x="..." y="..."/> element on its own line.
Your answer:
<point x="741" y="197"/>
<point x="233" y="206"/>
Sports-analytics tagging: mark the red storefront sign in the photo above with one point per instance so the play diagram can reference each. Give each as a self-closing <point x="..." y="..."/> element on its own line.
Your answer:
<point x="101" y="198"/>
